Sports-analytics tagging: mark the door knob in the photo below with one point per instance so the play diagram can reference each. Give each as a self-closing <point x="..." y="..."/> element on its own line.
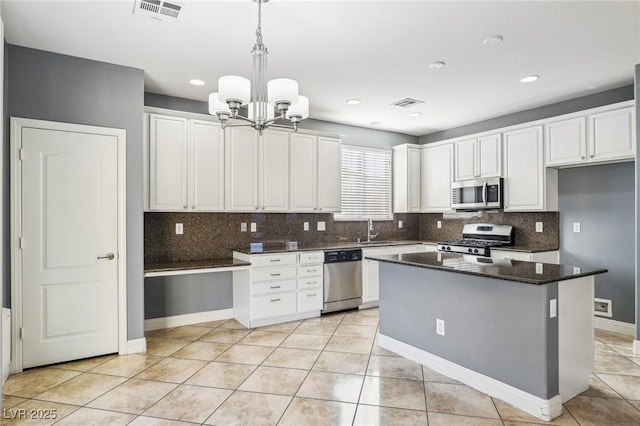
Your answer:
<point x="109" y="256"/>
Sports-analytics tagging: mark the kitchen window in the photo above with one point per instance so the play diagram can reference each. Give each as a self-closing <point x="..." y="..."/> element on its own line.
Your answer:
<point x="366" y="184"/>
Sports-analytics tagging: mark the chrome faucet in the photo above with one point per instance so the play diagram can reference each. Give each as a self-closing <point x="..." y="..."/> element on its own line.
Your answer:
<point x="370" y="236"/>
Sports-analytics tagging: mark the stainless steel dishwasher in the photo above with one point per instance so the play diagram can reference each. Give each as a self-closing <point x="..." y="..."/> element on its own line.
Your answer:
<point x="342" y="279"/>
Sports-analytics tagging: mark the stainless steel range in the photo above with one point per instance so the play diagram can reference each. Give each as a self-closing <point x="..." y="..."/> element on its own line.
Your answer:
<point x="478" y="238"/>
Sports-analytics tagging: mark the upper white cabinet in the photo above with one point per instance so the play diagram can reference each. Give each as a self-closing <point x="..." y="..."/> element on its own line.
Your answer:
<point x="314" y="163"/>
<point x="256" y="170"/>
<point x="602" y="137"/>
<point x="435" y="177"/>
<point x="478" y="157"/>
<point x="406" y="178"/>
<point x="186" y="166"/>
<point x="528" y="185"/>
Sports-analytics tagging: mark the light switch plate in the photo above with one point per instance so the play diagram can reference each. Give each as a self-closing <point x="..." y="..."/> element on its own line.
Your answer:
<point x="399" y="224"/>
<point x="539" y="268"/>
<point x="439" y="224"/>
<point x="243" y="227"/>
<point x="440" y="326"/>
<point x="254" y="228"/>
<point x="179" y="229"/>
<point x="538" y="226"/>
<point x="576" y="227"/>
<point x="306" y="226"/>
<point x="321" y="225"/>
<point x="553" y="308"/>
<point x="576" y="269"/>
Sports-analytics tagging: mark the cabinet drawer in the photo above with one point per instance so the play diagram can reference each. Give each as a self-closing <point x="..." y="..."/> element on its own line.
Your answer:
<point x="310" y="300"/>
<point x="274" y="259"/>
<point x="270" y="274"/>
<point x="308" y="257"/>
<point x="273" y="287"/>
<point x="310" y="271"/>
<point x="309" y="282"/>
<point x="273" y="305"/>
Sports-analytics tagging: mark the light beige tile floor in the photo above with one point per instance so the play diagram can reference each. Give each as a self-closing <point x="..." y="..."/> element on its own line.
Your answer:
<point x="322" y="371"/>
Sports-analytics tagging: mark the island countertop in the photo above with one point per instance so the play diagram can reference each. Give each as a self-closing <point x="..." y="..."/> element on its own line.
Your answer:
<point x="504" y="269"/>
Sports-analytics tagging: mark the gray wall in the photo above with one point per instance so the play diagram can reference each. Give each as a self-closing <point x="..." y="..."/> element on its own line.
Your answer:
<point x="495" y="327"/>
<point x="602" y="200"/>
<point x="578" y="104"/>
<point x="186" y="294"/>
<point x="48" y="86"/>
<point x="352" y="135"/>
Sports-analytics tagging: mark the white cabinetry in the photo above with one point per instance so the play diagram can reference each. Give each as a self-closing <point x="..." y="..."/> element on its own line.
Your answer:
<point x="314" y="173"/>
<point x="256" y="170"/>
<point x="406" y="178"/>
<point x="602" y="137"/>
<point x="478" y="158"/>
<point x="542" y="256"/>
<point x="278" y="288"/>
<point x="436" y="177"/>
<point x="186" y="168"/>
<point x="528" y="185"/>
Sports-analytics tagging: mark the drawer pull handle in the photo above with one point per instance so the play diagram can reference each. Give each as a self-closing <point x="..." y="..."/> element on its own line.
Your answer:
<point x="311" y="270"/>
<point x="274" y="260"/>
<point x="275" y="275"/>
<point x="275" y="300"/>
<point x="312" y="295"/>
<point x="312" y="282"/>
<point x="274" y="286"/>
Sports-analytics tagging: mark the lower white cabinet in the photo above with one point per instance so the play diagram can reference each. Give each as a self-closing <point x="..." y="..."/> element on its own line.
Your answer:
<point x="541" y="256"/>
<point x="278" y="288"/>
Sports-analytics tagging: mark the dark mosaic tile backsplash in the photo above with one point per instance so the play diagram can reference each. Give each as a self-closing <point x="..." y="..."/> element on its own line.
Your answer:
<point x="216" y="235"/>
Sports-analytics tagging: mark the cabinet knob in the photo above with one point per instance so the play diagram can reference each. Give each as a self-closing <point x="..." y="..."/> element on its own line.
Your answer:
<point x="184" y="206"/>
<point x="592" y="155"/>
<point x="193" y="206"/>
<point x="582" y="157"/>
<point x="320" y="209"/>
<point x="257" y="207"/>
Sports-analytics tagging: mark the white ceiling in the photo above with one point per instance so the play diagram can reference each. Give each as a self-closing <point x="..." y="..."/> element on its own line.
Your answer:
<point x="376" y="51"/>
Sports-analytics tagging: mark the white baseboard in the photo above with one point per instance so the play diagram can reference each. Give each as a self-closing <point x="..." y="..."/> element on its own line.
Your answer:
<point x="136" y="346"/>
<point x="5" y="356"/>
<point x="187" y="319"/>
<point x="544" y="409"/>
<point x="636" y="347"/>
<point x="615" y="326"/>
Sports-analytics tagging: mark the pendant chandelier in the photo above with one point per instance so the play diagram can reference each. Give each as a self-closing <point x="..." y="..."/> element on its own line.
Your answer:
<point x="260" y="96"/>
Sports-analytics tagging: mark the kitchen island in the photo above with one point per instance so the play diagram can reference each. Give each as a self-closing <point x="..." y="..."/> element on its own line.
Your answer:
<point x="519" y="331"/>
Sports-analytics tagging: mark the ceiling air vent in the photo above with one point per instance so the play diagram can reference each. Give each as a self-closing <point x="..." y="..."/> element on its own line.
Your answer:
<point x="407" y="102"/>
<point x="156" y="9"/>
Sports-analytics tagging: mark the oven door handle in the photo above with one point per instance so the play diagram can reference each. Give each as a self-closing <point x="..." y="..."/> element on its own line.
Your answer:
<point x="484" y="193"/>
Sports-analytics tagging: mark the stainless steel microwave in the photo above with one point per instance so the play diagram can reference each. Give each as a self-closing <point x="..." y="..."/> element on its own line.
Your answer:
<point x="477" y="194"/>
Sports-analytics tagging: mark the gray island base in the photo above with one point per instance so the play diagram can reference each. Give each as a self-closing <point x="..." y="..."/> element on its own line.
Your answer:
<point x="519" y="331"/>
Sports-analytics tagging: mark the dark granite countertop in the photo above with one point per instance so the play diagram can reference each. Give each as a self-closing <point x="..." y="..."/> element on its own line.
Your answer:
<point x="327" y="246"/>
<point x="504" y="269"/>
<point x="195" y="264"/>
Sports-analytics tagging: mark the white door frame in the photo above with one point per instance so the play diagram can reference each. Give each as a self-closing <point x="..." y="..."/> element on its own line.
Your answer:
<point x="16" y="227"/>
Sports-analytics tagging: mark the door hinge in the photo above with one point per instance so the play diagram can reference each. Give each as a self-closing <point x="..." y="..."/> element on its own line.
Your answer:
<point x="21" y="242"/>
<point x="21" y="333"/>
<point x="21" y="153"/>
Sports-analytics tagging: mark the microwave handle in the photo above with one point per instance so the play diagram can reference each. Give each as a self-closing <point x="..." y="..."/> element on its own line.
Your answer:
<point x="484" y="193"/>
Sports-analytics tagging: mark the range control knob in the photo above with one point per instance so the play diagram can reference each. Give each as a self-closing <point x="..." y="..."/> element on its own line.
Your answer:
<point x="471" y="250"/>
<point x="448" y="248"/>
<point x="475" y="250"/>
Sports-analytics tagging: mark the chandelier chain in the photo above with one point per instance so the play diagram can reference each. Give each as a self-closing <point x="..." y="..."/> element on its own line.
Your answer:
<point x="259" y="29"/>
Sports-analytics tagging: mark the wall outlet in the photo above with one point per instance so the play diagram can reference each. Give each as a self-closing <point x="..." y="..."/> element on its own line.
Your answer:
<point x="439" y="224"/>
<point x="399" y="224"/>
<point x="576" y="269"/>
<point x="576" y="227"/>
<point x="440" y="326"/>
<point x="321" y="226"/>
<point x="538" y="226"/>
<point x="243" y="227"/>
<point x="553" y="308"/>
<point x="179" y="229"/>
<point x="254" y="227"/>
<point x="539" y="268"/>
<point x="306" y="226"/>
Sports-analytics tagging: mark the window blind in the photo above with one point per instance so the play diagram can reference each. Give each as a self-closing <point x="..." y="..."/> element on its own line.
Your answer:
<point x="366" y="184"/>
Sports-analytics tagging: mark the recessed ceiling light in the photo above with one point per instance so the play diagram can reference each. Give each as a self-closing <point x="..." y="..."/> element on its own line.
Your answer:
<point x="415" y="114"/>
<point x="529" y="78"/>
<point x="492" y="41"/>
<point x="353" y="101"/>
<point x="437" y="65"/>
<point x="197" y="82"/>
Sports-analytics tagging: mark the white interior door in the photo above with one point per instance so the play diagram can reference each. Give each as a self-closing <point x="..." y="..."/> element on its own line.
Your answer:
<point x="69" y="254"/>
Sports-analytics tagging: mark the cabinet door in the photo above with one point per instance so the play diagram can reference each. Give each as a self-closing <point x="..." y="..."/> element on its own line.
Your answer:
<point x="436" y="177"/>
<point x="489" y="156"/>
<point x="612" y="135"/>
<point x="329" y="173"/>
<point x="565" y="142"/>
<point x="371" y="282"/>
<point x="524" y="169"/>
<point x="274" y="171"/>
<point x="168" y="148"/>
<point x="241" y="169"/>
<point x="302" y="172"/>
<point x="413" y="180"/>
<point x="207" y="166"/>
<point x="465" y="159"/>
